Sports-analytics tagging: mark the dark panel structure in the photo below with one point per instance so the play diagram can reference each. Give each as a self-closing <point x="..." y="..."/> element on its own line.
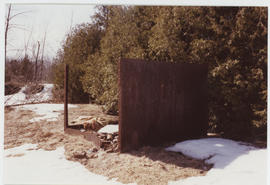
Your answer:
<point x="161" y="102"/>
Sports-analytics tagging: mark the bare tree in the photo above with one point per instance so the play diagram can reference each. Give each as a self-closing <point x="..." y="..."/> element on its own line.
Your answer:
<point x="6" y="30"/>
<point x="8" y="25"/>
<point x="42" y="54"/>
<point x="36" y="61"/>
<point x="26" y="43"/>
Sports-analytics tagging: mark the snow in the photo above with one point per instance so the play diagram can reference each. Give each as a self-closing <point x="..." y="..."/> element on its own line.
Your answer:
<point x="109" y="129"/>
<point x="46" y="167"/>
<point x="234" y="163"/>
<point x="16" y="98"/>
<point x="49" y="112"/>
<point x="21" y="98"/>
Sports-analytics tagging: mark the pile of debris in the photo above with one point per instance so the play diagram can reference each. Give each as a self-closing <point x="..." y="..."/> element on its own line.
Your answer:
<point x="88" y="123"/>
<point x="91" y="123"/>
<point x="104" y="133"/>
<point x="109" y="141"/>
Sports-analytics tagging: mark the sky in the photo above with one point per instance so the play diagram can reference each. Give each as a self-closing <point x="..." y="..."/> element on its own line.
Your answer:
<point x="56" y="20"/>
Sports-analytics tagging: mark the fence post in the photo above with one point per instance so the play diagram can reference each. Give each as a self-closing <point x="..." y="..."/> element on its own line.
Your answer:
<point x="66" y="98"/>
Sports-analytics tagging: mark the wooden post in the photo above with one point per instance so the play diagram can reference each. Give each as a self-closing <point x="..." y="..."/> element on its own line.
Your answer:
<point x="66" y="98"/>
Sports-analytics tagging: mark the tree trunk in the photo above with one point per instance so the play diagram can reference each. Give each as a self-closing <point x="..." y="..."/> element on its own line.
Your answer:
<point x="44" y="40"/>
<point x="6" y="31"/>
<point x="36" y="62"/>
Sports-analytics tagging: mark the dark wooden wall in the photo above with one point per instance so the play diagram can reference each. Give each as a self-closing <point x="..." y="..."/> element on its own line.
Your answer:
<point x="161" y="102"/>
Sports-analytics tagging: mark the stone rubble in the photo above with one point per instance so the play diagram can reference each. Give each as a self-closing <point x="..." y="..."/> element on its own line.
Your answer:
<point x="109" y="142"/>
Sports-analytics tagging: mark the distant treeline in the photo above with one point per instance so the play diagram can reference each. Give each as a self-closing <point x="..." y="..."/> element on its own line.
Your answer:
<point x="21" y="71"/>
<point x="231" y="40"/>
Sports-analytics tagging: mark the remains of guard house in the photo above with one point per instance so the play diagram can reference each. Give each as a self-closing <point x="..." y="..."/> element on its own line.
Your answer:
<point x="161" y="102"/>
<point x="158" y="103"/>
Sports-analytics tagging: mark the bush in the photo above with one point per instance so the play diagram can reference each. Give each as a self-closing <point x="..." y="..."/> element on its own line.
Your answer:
<point x="82" y="41"/>
<point x="58" y="94"/>
<point x="12" y="88"/>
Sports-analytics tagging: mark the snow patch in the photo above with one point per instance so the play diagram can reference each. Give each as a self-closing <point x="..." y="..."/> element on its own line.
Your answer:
<point x="109" y="129"/>
<point x="20" y="97"/>
<point x="235" y="163"/>
<point x="46" y="167"/>
<point x="49" y="112"/>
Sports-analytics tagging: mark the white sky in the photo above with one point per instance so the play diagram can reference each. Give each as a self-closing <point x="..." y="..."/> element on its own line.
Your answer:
<point x="55" y="19"/>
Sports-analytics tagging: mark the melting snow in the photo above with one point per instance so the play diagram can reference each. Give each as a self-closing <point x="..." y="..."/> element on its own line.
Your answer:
<point x="46" y="167"/>
<point x="109" y="129"/>
<point x="21" y="98"/>
<point x="235" y="163"/>
<point x="49" y="112"/>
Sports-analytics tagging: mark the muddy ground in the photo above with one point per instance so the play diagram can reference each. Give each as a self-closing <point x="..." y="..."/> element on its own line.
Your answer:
<point x="149" y="165"/>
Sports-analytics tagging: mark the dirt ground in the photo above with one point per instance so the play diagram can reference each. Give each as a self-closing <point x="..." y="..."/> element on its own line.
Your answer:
<point x="149" y="165"/>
